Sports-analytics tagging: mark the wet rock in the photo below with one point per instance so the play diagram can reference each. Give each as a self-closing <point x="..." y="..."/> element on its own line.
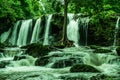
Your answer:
<point x="42" y="61"/>
<point x="83" y="68"/>
<point x="19" y="57"/>
<point x="102" y="51"/>
<point x="118" y="50"/>
<point x="66" y="62"/>
<point x="37" y="50"/>
<point x="4" y="63"/>
<point x="94" y="47"/>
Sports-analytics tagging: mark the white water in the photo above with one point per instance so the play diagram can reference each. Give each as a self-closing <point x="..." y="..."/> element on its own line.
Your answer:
<point x="72" y="30"/>
<point x="23" y="33"/>
<point x="14" y="34"/>
<point x="36" y="31"/>
<point x="4" y="36"/>
<point x="46" y="35"/>
<point x="76" y="32"/>
<point x="25" y="69"/>
<point x="115" y="43"/>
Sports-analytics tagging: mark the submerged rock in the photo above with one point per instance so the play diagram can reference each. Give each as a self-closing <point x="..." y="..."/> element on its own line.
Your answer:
<point x="83" y="68"/>
<point x="42" y="61"/>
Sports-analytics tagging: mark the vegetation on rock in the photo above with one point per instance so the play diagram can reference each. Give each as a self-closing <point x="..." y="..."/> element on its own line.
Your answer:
<point x="83" y="68"/>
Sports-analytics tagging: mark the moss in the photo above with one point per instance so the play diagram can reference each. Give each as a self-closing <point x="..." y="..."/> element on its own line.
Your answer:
<point x="83" y="68"/>
<point x="37" y="50"/>
<point x="102" y="51"/>
<point x="94" y="47"/>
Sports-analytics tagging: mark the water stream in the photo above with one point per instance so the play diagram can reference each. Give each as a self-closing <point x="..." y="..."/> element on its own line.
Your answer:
<point x="25" y="69"/>
<point x="115" y="43"/>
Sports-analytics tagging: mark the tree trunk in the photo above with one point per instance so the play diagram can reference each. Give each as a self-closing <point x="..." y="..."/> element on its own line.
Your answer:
<point x="64" y="34"/>
<point x="65" y="40"/>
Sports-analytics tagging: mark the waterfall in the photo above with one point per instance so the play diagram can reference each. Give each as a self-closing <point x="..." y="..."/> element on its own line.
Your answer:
<point x="77" y="30"/>
<point x="26" y="32"/>
<point x="14" y="34"/>
<point x="23" y="33"/>
<point x="72" y="30"/>
<point x="83" y="30"/>
<point x="116" y="32"/>
<point x="36" y="31"/>
<point x="46" y="36"/>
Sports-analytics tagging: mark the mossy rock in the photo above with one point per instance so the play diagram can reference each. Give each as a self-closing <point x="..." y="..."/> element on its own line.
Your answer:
<point x="42" y="61"/>
<point x="4" y="63"/>
<point x="2" y="45"/>
<point x="102" y="51"/>
<point x="118" y="50"/>
<point x="94" y="47"/>
<point x="37" y="50"/>
<point x="83" y="68"/>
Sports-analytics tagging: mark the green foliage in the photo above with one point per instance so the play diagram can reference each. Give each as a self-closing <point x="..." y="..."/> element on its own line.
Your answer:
<point x="13" y="10"/>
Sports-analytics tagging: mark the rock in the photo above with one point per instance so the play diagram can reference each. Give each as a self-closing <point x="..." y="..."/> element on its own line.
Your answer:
<point x="94" y="47"/>
<point x="102" y="51"/>
<point x="66" y="62"/>
<point x="19" y="57"/>
<point x="4" y="63"/>
<point x="37" y="50"/>
<point x="83" y="68"/>
<point x="118" y="50"/>
<point x="42" y="61"/>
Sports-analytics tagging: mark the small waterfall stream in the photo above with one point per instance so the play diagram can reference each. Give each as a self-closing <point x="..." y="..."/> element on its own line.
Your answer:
<point x="72" y="30"/>
<point x="46" y="36"/>
<point x="115" y="43"/>
<point x="36" y="31"/>
<point x="23" y="33"/>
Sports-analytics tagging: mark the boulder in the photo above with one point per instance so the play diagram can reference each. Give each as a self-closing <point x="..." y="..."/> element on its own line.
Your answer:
<point x="66" y="62"/>
<point x="37" y="50"/>
<point x="83" y="68"/>
<point x="42" y="61"/>
<point x="4" y="63"/>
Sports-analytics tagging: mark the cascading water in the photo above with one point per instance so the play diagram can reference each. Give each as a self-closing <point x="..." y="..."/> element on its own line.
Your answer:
<point x="14" y="34"/>
<point x="72" y="30"/>
<point x="23" y="33"/>
<point x="83" y="30"/>
<point x="5" y="35"/>
<point x="36" y="31"/>
<point x="46" y="35"/>
<point x="115" y="43"/>
<point x="77" y="30"/>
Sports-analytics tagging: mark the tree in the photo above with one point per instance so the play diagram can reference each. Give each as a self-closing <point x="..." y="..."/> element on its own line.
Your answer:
<point x="64" y="34"/>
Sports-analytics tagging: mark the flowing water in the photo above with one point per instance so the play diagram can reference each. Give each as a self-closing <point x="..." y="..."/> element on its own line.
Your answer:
<point x="115" y="43"/>
<point x="46" y="37"/>
<point x="22" y="38"/>
<point x="57" y="68"/>
<point x="24" y="69"/>
<point x="36" y="31"/>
